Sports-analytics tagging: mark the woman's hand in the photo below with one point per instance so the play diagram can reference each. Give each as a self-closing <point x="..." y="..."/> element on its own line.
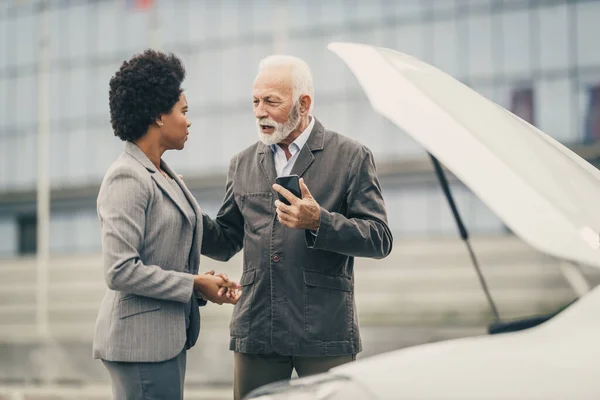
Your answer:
<point x="217" y="289"/>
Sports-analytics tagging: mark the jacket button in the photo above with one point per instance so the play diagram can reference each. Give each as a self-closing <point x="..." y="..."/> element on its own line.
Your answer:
<point x="275" y="258"/>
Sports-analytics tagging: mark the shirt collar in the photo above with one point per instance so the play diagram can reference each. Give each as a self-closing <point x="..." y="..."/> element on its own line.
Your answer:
<point x="302" y="139"/>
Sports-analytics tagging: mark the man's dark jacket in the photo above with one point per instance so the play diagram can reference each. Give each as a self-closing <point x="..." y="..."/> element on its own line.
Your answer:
<point x="298" y="289"/>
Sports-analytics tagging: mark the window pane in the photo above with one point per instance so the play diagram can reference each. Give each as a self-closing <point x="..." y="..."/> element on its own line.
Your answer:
<point x="11" y="51"/>
<point x="77" y="153"/>
<point x="78" y="91"/>
<point x="411" y="211"/>
<point x="3" y="100"/>
<point x="487" y="91"/>
<point x="554" y="108"/>
<point x="212" y="74"/>
<point x="59" y="158"/>
<point x="366" y="126"/>
<point x="441" y="219"/>
<point x="445" y="45"/>
<point x="197" y="21"/>
<point x="517" y="49"/>
<point x="27" y="39"/>
<point x="244" y="17"/>
<point x="479" y="46"/>
<point x="4" y="43"/>
<point x="445" y="7"/>
<point x="26" y="100"/>
<point x="407" y="8"/>
<point x="397" y="144"/>
<point x="331" y="12"/>
<point x="79" y="25"/>
<point x="297" y="14"/>
<point x="484" y="220"/>
<point x="313" y="52"/>
<point x="96" y="141"/>
<point x="554" y="47"/>
<point x="213" y="21"/>
<point x="9" y="159"/>
<point x="522" y="104"/>
<point x="60" y="232"/>
<point x="230" y="15"/>
<point x="365" y="10"/>
<point x="8" y="233"/>
<point x="391" y="197"/>
<point x="27" y="234"/>
<point x="588" y="112"/>
<point x="59" y="33"/>
<point x="138" y="29"/>
<point x="85" y="231"/>
<point x="333" y="116"/>
<point x="243" y="123"/>
<point x="233" y="90"/>
<point x="171" y="21"/>
<point x="196" y="82"/>
<point x="59" y="81"/>
<point x="26" y="165"/>
<point x="97" y="91"/>
<point x="107" y="36"/>
<point x="588" y="32"/>
<point x="5" y="160"/>
<point x="410" y="39"/>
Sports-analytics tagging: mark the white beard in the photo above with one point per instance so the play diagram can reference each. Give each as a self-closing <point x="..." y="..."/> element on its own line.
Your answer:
<point x="283" y="130"/>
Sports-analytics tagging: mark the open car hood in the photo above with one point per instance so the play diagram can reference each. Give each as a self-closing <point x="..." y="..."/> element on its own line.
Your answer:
<point x="541" y="190"/>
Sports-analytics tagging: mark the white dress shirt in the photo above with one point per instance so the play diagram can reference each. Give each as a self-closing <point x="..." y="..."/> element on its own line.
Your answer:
<point x="283" y="166"/>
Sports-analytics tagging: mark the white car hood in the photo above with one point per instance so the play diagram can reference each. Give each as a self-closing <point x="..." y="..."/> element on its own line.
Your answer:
<point x="542" y="191"/>
<point x="555" y="360"/>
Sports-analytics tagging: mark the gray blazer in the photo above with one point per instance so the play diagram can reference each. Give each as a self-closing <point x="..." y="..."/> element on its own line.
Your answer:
<point x="298" y="290"/>
<point x="145" y="237"/>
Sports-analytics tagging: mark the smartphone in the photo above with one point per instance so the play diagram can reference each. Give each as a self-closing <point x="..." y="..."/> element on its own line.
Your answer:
<point x="291" y="183"/>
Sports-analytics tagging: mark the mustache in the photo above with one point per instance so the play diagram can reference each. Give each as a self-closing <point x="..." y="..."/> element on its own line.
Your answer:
<point x="266" y="121"/>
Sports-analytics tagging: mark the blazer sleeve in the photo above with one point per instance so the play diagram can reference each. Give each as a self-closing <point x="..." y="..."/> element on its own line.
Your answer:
<point x="122" y="203"/>
<point x="223" y="237"/>
<point x="363" y="230"/>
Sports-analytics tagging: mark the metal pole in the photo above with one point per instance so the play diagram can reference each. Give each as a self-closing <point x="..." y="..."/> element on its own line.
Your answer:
<point x="43" y="176"/>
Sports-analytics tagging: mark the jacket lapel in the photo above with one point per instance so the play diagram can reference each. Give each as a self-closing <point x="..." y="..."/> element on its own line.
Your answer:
<point x="306" y="156"/>
<point x="161" y="181"/>
<point x="198" y="232"/>
<point x="267" y="164"/>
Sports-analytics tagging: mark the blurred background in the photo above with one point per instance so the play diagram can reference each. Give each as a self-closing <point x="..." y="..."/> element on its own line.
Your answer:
<point x="537" y="58"/>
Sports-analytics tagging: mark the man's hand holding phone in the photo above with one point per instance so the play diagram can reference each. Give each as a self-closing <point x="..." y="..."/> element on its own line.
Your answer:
<point x="302" y="213"/>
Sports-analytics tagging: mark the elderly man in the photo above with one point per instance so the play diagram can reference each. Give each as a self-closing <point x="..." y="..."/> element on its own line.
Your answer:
<point x="297" y="308"/>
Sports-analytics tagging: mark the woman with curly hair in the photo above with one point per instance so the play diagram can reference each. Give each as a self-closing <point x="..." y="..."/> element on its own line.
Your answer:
<point x="151" y="229"/>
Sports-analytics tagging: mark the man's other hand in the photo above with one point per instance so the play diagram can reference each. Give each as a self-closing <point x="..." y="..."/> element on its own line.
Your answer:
<point x="304" y="213"/>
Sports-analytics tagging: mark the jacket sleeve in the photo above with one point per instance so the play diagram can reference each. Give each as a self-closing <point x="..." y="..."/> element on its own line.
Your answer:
<point x="122" y="202"/>
<point x="363" y="231"/>
<point x="223" y="237"/>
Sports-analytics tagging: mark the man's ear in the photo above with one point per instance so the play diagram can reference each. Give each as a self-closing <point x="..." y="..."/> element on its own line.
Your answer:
<point x="305" y="103"/>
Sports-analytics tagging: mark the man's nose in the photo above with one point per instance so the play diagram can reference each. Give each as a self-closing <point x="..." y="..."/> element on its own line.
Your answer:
<point x="260" y="112"/>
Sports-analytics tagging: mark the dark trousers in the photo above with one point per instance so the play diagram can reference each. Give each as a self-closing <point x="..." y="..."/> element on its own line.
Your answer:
<point x="148" y="381"/>
<point x="251" y="371"/>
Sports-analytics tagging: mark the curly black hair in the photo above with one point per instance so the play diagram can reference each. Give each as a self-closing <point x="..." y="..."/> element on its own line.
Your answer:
<point x="145" y="86"/>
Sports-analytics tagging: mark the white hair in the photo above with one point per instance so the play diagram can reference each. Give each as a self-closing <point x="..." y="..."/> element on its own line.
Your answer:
<point x="302" y="82"/>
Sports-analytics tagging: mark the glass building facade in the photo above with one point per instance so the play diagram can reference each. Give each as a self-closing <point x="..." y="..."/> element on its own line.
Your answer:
<point x="538" y="59"/>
